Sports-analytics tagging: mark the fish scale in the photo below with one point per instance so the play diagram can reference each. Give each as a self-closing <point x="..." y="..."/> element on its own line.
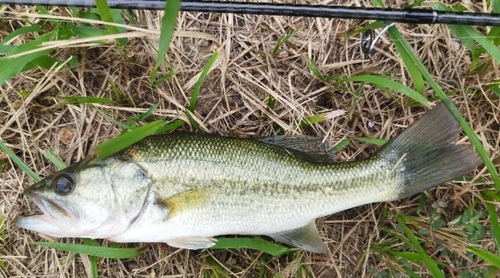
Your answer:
<point x="187" y="188"/>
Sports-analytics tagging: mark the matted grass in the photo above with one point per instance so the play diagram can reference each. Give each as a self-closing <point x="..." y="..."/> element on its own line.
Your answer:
<point x="250" y="76"/>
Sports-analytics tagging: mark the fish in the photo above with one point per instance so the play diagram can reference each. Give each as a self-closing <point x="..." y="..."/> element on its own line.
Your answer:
<point x="185" y="189"/>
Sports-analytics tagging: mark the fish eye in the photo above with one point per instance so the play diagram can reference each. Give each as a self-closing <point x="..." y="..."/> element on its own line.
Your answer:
<point x="63" y="185"/>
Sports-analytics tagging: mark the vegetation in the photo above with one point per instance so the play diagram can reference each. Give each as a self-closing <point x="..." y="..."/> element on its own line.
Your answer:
<point x="72" y="78"/>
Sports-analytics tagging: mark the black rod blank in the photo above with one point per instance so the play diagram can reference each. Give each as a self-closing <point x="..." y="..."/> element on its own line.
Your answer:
<point x="416" y="16"/>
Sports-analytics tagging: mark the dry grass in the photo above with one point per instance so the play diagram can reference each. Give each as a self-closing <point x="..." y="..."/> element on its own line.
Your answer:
<point x="233" y="102"/>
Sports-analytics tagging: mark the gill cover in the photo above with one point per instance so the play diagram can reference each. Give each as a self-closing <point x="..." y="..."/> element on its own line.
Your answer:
<point x="92" y="201"/>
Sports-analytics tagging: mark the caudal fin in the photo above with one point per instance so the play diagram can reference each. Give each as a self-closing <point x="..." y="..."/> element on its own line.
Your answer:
<point x="427" y="152"/>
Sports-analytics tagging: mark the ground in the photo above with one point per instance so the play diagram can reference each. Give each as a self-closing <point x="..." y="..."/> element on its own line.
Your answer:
<point x="257" y="87"/>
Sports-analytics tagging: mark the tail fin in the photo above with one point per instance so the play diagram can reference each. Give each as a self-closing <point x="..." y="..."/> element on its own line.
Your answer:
<point x="427" y="153"/>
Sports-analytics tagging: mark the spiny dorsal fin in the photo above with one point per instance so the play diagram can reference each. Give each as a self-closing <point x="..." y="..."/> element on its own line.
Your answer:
<point x="310" y="148"/>
<point x="306" y="237"/>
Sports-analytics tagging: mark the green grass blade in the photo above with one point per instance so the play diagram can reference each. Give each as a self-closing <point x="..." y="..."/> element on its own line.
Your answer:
<point x="43" y="10"/>
<point x="190" y="116"/>
<point x="105" y="13"/>
<point x="271" y="101"/>
<point x="284" y="38"/>
<point x="19" y="162"/>
<point x="340" y="145"/>
<point x="431" y="264"/>
<point x="464" y="38"/>
<point x="89" y="14"/>
<point x="148" y="113"/>
<point x="109" y="118"/>
<point x="90" y="241"/>
<point x="374" y="141"/>
<point x="111" y="16"/>
<point x="168" y="22"/>
<point x="416" y="76"/>
<point x="313" y="119"/>
<point x="55" y="159"/>
<point x="494" y="35"/>
<point x="214" y="268"/>
<point x="405" y="53"/>
<point x="492" y="49"/>
<point x="496" y="6"/>
<point x="20" y="31"/>
<point x="171" y="126"/>
<point x="10" y="67"/>
<point x="3" y="243"/>
<point x="98" y="251"/>
<point x="94" y="267"/>
<point x="487" y="256"/>
<point x="93" y="259"/>
<point x="409" y="272"/>
<point x="466" y="33"/>
<point x="378" y="3"/>
<point x="131" y="17"/>
<point x="126" y="139"/>
<point x="44" y="62"/>
<point x="256" y="243"/>
<point x="410" y="256"/>
<point x="116" y="16"/>
<point x="196" y="91"/>
<point x="386" y="83"/>
<point x="495" y="226"/>
<point x="373" y="25"/>
<point x="89" y="32"/>
<point x="314" y="69"/>
<point x="414" y="4"/>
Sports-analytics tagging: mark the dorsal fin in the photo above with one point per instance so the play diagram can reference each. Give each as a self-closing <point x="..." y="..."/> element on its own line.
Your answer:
<point x="310" y="148"/>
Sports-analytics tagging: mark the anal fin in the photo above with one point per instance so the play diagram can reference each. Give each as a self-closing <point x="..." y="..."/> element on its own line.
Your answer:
<point x="192" y="243"/>
<point x="306" y="237"/>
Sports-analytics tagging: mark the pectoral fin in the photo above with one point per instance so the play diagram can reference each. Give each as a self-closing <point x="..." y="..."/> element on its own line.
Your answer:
<point x="190" y="199"/>
<point x="192" y="243"/>
<point x="305" y="237"/>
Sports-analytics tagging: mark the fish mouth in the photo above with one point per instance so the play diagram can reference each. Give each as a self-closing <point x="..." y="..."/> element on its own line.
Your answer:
<point x="56" y="218"/>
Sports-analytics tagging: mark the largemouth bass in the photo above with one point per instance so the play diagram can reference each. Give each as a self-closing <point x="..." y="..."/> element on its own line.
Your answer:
<point x="186" y="189"/>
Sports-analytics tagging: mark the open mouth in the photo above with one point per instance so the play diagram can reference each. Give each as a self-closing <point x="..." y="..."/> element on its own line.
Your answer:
<point x="51" y="208"/>
<point x="67" y="217"/>
<point x="56" y="217"/>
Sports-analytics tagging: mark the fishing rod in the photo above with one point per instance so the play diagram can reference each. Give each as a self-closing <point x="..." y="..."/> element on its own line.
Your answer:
<point x="416" y="16"/>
